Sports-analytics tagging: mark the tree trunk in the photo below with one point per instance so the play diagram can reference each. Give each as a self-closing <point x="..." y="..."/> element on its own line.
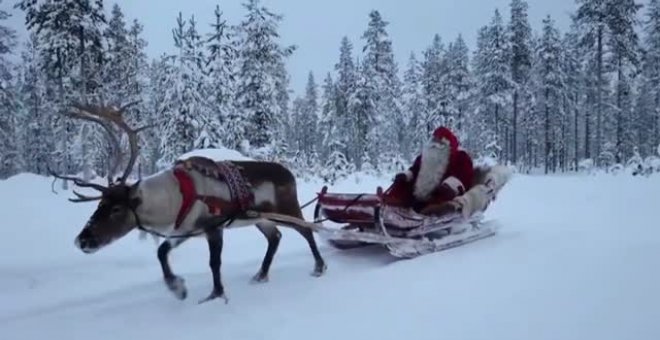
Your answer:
<point x="587" y="127"/>
<point x="547" y="131"/>
<point x="576" y="139"/>
<point x="619" y="114"/>
<point x="599" y="92"/>
<point x="514" y="123"/>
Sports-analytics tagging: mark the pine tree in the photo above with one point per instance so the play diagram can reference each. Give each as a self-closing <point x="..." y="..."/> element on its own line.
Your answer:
<point x="413" y="106"/>
<point x="493" y="75"/>
<point x="362" y="108"/>
<point x="259" y="57"/>
<point x="328" y="120"/>
<point x="220" y="66"/>
<point x="184" y="103"/>
<point x="384" y="89"/>
<point x="343" y="92"/>
<point x="648" y="99"/>
<point x="433" y="72"/>
<point x="592" y="20"/>
<point x="310" y="119"/>
<point x="458" y="80"/>
<point x="624" y="46"/>
<point x="71" y="44"/>
<point x="520" y="34"/>
<point x="117" y="57"/>
<point x="574" y="77"/>
<point x="550" y="91"/>
<point x="9" y="157"/>
<point x="37" y="134"/>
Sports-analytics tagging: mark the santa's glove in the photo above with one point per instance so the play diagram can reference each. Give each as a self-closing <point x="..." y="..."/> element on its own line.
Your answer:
<point x="446" y="193"/>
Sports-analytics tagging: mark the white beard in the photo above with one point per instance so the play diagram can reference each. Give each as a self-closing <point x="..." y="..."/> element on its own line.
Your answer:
<point x="435" y="159"/>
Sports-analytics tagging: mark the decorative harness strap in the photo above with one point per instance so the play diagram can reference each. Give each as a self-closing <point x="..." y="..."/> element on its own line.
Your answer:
<point x="238" y="186"/>
<point x="242" y="197"/>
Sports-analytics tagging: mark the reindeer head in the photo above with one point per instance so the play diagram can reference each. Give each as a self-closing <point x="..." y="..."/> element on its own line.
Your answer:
<point x="115" y="214"/>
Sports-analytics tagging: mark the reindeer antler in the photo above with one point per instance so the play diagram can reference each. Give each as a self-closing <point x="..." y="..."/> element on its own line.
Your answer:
<point x="103" y="115"/>
<point x="81" y="183"/>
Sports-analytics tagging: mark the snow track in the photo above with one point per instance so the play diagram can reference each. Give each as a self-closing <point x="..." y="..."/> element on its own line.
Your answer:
<point x="570" y="262"/>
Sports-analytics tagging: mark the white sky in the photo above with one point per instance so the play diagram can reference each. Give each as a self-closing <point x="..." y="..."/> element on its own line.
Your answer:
<point x="318" y="26"/>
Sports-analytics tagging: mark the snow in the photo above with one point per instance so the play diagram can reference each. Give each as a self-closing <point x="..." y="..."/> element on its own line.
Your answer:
<point x="570" y="263"/>
<point x="217" y="154"/>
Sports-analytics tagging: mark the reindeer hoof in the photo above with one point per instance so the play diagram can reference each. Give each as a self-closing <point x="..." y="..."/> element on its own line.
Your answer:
<point x="319" y="270"/>
<point x="260" y="278"/>
<point x="177" y="286"/>
<point x="215" y="294"/>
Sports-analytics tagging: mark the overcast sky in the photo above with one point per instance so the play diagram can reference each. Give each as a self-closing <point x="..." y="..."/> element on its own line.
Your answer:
<point x="317" y="27"/>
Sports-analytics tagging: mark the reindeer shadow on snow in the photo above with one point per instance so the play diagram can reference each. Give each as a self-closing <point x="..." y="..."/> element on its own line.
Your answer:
<point x="196" y="197"/>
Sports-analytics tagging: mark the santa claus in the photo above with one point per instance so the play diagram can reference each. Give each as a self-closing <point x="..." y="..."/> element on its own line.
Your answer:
<point x="438" y="175"/>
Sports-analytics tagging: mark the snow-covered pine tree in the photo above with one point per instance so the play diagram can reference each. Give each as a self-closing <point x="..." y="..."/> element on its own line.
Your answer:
<point x="138" y="89"/>
<point x="591" y="18"/>
<point x="573" y="72"/>
<point x="10" y="159"/>
<point x="520" y="33"/>
<point x="306" y="121"/>
<point x="343" y="91"/>
<point x="413" y="107"/>
<point x="7" y="44"/>
<point x="71" y="44"/>
<point x="184" y="104"/>
<point x="259" y="62"/>
<point x="458" y="82"/>
<point x="160" y="78"/>
<point x="380" y="72"/>
<point x="220" y="66"/>
<point x="115" y="72"/>
<point x="493" y="77"/>
<point x="37" y="134"/>
<point x="550" y="91"/>
<point x="623" y="43"/>
<point x="116" y="79"/>
<point x="333" y="137"/>
<point x="361" y="106"/>
<point x="280" y="148"/>
<point x="433" y="90"/>
<point x="221" y="54"/>
<point x="327" y="115"/>
<point x="648" y="98"/>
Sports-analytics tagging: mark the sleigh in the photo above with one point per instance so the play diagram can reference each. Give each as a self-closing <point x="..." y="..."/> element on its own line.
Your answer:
<point x="363" y="219"/>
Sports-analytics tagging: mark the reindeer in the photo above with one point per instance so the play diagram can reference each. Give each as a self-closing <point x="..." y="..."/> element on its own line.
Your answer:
<point x="155" y="204"/>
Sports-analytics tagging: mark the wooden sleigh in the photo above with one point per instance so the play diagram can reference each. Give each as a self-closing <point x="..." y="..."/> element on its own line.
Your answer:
<point x="363" y="219"/>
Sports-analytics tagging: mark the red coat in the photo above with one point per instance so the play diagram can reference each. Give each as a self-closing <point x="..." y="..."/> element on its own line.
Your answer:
<point x="457" y="179"/>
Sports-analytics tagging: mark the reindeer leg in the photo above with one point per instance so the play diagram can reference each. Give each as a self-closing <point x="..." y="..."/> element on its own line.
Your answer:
<point x="273" y="236"/>
<point x="215" y="241"/>
<point x="319" y="265"/>
<point x="174" y="282"/>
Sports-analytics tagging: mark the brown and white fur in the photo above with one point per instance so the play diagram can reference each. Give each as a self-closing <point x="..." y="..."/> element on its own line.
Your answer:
<point x="434" y="163"/>
<point x="156" y="201"/>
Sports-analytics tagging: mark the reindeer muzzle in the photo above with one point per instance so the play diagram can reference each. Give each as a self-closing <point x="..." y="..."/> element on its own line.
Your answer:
<point x="87" y="242"/>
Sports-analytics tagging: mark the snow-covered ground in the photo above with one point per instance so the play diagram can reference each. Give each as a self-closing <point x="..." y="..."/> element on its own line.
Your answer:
<point x="577" y="258"/>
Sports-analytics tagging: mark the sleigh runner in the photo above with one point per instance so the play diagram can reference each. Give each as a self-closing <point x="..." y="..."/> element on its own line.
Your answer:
<point x="375" y="219"/>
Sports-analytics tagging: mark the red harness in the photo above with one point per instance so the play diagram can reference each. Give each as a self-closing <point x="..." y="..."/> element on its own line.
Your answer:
<point x="189" y="195"/>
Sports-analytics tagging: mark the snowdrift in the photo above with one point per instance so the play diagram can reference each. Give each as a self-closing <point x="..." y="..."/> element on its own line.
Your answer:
<point x="216" y="154"/>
